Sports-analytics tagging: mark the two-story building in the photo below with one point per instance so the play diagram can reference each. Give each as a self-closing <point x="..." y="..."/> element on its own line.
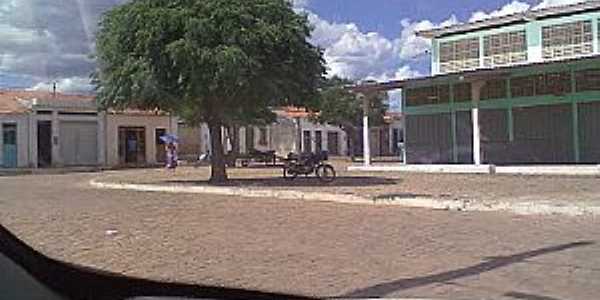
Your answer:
<point x="518" y="89"/>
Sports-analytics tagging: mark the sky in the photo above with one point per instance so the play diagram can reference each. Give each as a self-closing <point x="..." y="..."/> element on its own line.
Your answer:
<point x="45" y="41"/>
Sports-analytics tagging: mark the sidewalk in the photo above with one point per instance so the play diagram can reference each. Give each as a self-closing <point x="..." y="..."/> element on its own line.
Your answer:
<point x="537" y="170"/>
<point x="571" y="196"/>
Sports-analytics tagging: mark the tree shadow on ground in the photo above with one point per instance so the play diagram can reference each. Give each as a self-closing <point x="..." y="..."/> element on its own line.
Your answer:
<point x="387" y="288"/>
<point x="298" y="182"/>
<point x="527" y="296"/>
<point x="77" y="282"/>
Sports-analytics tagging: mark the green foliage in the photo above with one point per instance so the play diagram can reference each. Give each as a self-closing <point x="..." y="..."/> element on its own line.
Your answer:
<point x="339" y="106"/>
<point x="217" y="61"/>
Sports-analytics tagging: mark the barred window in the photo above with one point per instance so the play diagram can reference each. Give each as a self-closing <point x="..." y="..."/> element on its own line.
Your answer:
<point x="428" y="95"/>
<point x="542" y="84"/>
<point x="505" y="48"/>
<point x="494" y="89"/>
<point x="588" y="80"/>
<point x="567" y="40"/>
<point x="462" y="92"/>
<point x="459" y="55"/>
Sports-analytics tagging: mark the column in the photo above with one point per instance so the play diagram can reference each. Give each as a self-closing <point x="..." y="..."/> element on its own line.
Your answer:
<point x="102" y="138"/>
<point x="476" y="95"/>
<point x="298" y="135"/>
<point x="32" y="136"/>
<point x="533" y="32"/>
<point x="366" y="140"/>
<point x="56" y="157"/>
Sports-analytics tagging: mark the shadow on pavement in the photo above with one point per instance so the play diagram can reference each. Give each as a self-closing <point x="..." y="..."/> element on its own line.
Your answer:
<point x="493" y="263"/>
<point x="300" y="181"/>
<point x="76" y="282"/>
<point x="524" y="296"/>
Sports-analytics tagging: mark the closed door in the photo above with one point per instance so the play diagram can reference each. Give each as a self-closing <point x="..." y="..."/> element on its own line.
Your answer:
<point x="79" y="143"/>
<point x="333" y="143"/>
<point x="9" y="137"/>
<point x="249" y="139"/>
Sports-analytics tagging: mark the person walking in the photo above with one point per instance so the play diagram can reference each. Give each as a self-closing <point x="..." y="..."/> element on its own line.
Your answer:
<point x="171" y="151"/>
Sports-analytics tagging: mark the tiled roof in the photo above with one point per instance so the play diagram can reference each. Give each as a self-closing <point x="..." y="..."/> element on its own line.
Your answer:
<point x="19" y="101"/>
<point x="590" y="5"/>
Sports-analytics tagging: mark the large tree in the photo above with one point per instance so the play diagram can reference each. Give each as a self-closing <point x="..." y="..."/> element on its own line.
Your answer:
<point x="210" y="61"/>
<point x="338" y="105"/>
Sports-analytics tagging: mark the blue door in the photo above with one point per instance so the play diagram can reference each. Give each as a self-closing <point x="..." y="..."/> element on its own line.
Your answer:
<point x="9" y="136"/>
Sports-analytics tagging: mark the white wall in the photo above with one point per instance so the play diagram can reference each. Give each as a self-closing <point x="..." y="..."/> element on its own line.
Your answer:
<point x="150" y="124"/>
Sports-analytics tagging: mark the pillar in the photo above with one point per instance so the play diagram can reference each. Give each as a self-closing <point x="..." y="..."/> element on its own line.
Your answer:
<point x="298" y="135"/>
<point x="101" y="138"/>
<point x="476" y="96"/>
<point x="366" y="140"/>
<point x="32" y="136"/>
<point x="56" y="157"/>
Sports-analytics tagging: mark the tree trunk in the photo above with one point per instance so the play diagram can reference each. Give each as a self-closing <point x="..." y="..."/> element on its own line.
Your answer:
<point x="218" y="172"/>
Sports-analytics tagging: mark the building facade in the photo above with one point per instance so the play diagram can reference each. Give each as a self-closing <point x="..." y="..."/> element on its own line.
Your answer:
<point x="41" y="130"/>
<point x="519" y="89"/>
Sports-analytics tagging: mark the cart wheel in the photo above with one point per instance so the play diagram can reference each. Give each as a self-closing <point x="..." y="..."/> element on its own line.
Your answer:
<point x="326" y="173"/>
<point x="245" y="163"/>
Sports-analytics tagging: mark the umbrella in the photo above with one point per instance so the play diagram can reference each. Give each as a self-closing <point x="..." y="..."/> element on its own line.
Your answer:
<point x="169" y="138"/>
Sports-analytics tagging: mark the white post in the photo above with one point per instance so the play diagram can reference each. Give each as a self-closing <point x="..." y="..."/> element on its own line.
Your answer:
<point x="476" y="95"/>
<point x="366" y="140"/>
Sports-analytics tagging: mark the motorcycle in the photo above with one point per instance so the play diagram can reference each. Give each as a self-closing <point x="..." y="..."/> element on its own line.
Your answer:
<point x="308" y="163"/>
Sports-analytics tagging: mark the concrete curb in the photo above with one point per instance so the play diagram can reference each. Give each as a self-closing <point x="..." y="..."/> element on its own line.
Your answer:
<point x="520" y="208"/>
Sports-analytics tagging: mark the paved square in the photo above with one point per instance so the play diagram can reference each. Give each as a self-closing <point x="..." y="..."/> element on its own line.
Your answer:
<point x="309" y="248"/>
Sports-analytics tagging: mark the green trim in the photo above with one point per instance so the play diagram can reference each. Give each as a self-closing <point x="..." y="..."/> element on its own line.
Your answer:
<point x="454" y="133"/>
<point x="575" y="117"/>
<point x="509" y="115"/>
<point x="576" y="143"/>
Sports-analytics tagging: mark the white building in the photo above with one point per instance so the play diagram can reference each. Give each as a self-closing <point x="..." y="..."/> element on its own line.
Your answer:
<point x="54" y="130"/>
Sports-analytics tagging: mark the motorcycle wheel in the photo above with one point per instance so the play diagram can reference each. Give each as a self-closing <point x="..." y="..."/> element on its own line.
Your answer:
<point x="289" y="175"/>
<point x="326" y="173"/>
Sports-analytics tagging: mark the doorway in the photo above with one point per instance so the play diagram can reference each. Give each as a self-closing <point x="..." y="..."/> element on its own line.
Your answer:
<point x="161" y="152"/>
<point x="44" y="144"/>
<point x="132" y="145"/>
<point x="333" y="143"/>
<point x="10" y="153"/>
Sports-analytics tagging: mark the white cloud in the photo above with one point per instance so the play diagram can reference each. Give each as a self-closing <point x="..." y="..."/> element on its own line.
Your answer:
<point x="508" y="9"/>
<point x="66" y="85"/>
<point x="357" y="55"/>
<point x="517" y="6"/>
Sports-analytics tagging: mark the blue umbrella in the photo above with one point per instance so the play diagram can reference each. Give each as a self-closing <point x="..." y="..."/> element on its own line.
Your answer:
<point x="169" y="138"/>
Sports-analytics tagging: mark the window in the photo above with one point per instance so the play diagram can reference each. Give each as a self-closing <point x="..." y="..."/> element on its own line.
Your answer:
<point x="263" y="136"/>
<point x="505" y="49"/>
<point x="567" y="40"/>
<point x="459" y="55"/>
<point x="494" y="89"/>
<point x="542" y="84"/>
<point x="307" y="142"/>
<point x="588" y="80"/>
<point x="318" y="141"/>
<point x="462" y="92"/>
<point x="428" y="95"/>
<point x="522" y="86"/>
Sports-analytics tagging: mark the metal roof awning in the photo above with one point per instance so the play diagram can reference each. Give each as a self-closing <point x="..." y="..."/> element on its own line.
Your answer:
<point x="468" y="76"/>
<point x="522" y="17"/>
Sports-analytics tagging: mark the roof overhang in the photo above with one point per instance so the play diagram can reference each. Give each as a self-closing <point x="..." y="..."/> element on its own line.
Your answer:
<point x="465" y="76"/>
<point x="517" y="18"/>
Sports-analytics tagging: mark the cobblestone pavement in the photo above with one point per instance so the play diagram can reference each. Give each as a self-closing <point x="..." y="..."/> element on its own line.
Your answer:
<point x="310" y="248"/>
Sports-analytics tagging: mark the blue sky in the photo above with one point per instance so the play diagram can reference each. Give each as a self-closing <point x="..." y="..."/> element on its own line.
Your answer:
<point x="42" y="41"/>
